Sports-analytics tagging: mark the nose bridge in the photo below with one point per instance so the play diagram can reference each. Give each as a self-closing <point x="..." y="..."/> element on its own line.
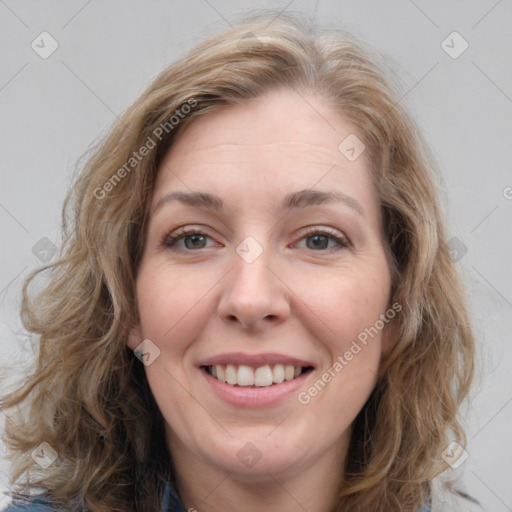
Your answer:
<point x="252" y="266"/>
<point x="254" y="294"/>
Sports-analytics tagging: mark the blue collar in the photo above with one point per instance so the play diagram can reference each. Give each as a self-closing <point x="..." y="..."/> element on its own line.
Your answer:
<point x="172" y="502"/>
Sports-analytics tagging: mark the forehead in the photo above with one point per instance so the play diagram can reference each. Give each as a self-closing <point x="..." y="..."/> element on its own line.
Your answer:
<point x="269" y="146"/>
<point x="280" y="116"/>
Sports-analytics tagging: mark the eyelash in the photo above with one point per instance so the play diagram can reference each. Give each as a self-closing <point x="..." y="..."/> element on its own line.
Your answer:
<point x="170" y="241"/>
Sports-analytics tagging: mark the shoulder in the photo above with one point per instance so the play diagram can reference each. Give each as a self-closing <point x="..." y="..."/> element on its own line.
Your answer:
<point x="448" y="497"/>
<point x="32" y="507"/>
<point x="25" y="504"/>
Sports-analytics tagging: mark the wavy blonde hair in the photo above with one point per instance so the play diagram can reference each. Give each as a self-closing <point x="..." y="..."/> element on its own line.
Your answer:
<point x="88" y="396"/>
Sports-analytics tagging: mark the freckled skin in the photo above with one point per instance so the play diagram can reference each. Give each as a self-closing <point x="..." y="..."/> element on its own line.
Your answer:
<point x="294" y="299"/>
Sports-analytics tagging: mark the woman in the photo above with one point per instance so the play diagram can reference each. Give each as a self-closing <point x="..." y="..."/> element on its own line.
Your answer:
<point x="255" y="307"/>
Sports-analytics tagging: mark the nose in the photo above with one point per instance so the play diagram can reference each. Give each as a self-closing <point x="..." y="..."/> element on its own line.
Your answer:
<point x="255" y="296"/>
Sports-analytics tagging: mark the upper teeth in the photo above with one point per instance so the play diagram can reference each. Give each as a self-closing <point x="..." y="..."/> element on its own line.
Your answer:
<point x="242" y="375"/>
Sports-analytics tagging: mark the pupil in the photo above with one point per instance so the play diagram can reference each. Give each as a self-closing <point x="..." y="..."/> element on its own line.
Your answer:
<point x="323" y="243"/>
<point x="194" y="238"/>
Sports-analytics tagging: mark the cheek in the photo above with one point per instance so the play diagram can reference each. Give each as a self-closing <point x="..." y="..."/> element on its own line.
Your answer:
<point x="343" y="305"/>
<point x="347" y="308"/>
<point x="170" y="302"/>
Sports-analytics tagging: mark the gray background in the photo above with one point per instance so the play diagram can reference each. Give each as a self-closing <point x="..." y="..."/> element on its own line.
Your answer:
<point x="52" y="110"/>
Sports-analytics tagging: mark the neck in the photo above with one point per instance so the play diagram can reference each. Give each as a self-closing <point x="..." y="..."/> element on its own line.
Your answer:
<point x="313" y="486"/>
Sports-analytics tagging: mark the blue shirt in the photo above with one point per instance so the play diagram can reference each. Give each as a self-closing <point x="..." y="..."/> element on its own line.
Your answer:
<point x="171" y="503"/>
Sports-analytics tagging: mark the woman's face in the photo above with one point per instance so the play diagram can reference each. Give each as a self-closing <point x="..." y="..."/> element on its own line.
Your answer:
<point x="280" y="285"/>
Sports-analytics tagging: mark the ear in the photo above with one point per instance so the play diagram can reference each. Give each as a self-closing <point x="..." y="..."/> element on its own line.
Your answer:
<point x="389" y="338"/>
<point x="134" y="337"/>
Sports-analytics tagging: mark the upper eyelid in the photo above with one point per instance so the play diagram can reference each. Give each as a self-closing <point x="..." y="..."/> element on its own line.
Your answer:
<point x="184" y="231"/>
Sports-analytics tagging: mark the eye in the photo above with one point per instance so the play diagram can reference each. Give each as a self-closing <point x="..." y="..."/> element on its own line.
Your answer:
<point x="316" y="240"/>
<point x="192" y="239"/>
<point x="319" y="239"/>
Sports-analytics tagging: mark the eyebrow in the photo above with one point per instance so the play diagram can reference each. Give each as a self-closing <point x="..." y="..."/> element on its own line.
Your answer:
<point x="294" y="200"/>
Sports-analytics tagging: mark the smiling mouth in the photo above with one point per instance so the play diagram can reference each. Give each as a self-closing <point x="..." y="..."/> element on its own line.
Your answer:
<point x="261" y="376"/>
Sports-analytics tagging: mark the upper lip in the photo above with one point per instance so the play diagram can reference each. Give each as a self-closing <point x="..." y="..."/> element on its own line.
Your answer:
<point x="256" y="360"/>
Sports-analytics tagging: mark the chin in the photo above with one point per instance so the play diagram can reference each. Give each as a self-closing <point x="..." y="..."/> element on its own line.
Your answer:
<point x="251" y="457"/>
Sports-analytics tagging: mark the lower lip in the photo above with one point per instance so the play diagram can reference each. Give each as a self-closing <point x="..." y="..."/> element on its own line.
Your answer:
<point x="242" y="396"/>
